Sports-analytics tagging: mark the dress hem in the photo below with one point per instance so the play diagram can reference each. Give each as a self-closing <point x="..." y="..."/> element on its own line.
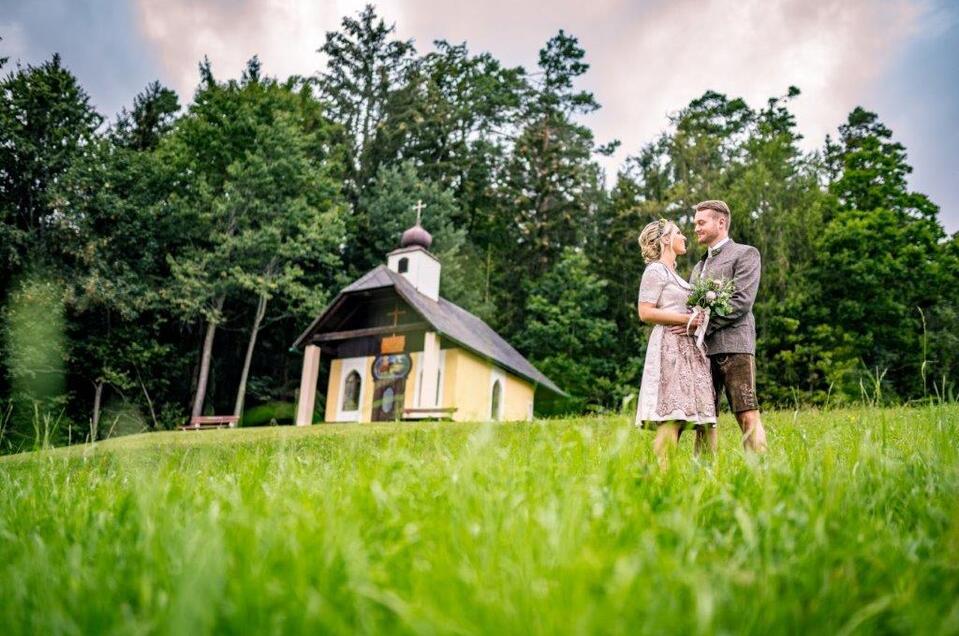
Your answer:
<point x="682" y="418"/>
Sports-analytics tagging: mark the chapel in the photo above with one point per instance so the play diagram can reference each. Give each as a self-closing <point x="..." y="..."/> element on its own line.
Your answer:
<point x="399" y="351"/>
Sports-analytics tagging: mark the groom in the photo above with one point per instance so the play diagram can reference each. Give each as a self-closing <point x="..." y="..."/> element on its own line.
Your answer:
<point x="731" y="339"/>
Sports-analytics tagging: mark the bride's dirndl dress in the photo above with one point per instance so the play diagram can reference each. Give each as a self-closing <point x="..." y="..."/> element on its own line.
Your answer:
<point x="677" y="384"/>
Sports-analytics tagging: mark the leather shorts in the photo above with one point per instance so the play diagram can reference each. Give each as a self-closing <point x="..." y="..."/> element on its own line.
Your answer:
<point x="735" y="374"/>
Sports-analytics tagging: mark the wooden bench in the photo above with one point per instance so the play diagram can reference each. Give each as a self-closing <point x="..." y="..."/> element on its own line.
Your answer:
<point x="436" y="413"/>
<point x="201" y="422"/>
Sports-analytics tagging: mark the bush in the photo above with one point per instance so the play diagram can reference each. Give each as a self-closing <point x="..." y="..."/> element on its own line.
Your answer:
<point x="271" y="413"/>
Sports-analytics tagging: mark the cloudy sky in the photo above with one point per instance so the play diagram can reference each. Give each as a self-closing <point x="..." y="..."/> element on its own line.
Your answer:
<point x="648" y="57"/>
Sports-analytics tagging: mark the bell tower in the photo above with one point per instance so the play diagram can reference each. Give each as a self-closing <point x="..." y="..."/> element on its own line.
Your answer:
<point x="414" y="261"/>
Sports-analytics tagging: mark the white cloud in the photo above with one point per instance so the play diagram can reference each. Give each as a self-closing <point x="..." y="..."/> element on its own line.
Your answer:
<point x="647" y="58"/>
<point x="832" y="51"/>
<point x="14" y="42"/>
<point x="284" y="33"/>
<point x="650" y="59"/>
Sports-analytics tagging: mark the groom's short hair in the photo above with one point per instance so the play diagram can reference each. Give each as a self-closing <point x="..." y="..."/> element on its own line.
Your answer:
<point x="717" y="206"/>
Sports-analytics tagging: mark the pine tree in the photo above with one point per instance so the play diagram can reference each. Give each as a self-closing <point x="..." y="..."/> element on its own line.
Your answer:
<point x="876" y="269"/>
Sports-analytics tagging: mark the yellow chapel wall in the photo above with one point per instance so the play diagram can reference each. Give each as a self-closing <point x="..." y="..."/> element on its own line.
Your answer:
<point x="518" y="404"/>
<point x="366" y="411"/>
<point x="449" y="379"/>
<point x="470" y="379"/>
<point x="467" y="386"/>
<point x="412" y="381"/>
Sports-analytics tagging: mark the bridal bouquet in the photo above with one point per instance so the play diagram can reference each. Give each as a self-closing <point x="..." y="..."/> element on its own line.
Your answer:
<point x="709" y="296"/>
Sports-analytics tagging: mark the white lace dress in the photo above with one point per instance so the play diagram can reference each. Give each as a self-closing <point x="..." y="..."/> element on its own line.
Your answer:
<point x="677" y="384"/>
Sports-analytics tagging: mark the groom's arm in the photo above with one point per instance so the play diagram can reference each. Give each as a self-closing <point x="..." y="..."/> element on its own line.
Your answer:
<point x="746" y="278"/>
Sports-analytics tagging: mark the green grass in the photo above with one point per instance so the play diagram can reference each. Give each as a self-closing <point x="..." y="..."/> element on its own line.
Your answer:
<point x="849" y="525"/>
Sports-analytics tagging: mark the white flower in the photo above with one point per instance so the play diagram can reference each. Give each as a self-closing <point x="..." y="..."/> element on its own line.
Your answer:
<point x="710" y="296"/>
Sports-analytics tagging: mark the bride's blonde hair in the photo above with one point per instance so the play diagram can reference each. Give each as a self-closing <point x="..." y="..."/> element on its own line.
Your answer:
<point x="651" y="238"/>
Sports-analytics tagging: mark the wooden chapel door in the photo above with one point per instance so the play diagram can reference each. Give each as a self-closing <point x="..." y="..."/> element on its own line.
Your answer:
<point x="389" y="389"/>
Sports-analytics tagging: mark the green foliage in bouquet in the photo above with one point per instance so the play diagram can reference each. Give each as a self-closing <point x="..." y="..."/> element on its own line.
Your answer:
<point x="714" y="294"/>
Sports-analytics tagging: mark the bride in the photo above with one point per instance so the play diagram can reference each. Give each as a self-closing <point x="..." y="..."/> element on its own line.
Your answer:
<point x="677" y="387"/>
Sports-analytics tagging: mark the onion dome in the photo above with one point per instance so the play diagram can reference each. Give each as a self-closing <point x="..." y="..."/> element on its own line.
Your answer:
<point x="416" y="236"/>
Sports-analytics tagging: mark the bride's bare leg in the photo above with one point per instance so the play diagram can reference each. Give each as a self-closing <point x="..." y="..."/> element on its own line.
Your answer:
<point x="707" y="441"/>
<point x="667" y="438"/>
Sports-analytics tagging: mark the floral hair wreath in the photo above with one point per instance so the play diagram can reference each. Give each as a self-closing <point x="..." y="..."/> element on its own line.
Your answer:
<point x="663" y="226"/>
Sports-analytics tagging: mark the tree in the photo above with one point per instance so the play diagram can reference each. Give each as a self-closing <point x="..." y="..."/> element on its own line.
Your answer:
<point x="779" y="209"/>
<point x="365" y="69"/>
<point x="257" y="201"/>
<point x="46" y="123"/>
<point x="567" y="334"/>
<point x="868" y="170"/>
<point x="153" y="115"/>
<point x="34" y="351"/>
<point x="115" y="265"/>
<point x="460" y="126"/>
<point x="878" y="257"/>
<point x="940" y="343"/>
<point x="288" y="220"/>
<point x="551" y="184"/>
<point x="552" y="175"/>
<point x="390" y="201"/>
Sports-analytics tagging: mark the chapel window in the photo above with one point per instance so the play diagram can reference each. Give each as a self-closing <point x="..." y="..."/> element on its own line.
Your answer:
<point x="351" y="392"/>
<point x="495" y="401"/>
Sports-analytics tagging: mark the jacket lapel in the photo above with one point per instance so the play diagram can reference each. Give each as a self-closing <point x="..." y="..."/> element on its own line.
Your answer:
<point x="716" y="258"/>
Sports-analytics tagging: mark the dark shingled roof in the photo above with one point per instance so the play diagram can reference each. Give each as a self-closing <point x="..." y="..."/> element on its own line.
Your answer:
<point x="452" y="322"/>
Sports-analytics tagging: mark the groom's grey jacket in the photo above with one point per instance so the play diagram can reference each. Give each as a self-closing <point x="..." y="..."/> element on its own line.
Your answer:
<point x="735" y="333"/>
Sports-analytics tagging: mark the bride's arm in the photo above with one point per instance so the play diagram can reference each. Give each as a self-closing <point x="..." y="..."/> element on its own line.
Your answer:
<point x="655" y="277"/>
<point x="650" y="314"/>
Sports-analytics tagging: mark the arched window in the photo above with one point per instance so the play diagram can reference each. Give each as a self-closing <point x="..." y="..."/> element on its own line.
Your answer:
<point x="403" y="266"/>
<point x="351" y="392"/>
<point x="496" y="400"/>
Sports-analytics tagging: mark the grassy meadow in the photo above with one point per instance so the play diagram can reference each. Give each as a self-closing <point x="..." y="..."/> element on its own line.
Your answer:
<point x="849" y="525"/>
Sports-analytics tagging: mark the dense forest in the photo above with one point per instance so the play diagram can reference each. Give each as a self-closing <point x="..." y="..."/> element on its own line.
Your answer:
<point x="163" y="262"/>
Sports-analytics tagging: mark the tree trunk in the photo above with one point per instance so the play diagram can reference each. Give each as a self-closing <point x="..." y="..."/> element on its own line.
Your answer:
<point x="241" y="390"/>
<point x="143" y="386"/>
<point x="95" y="423"/>
<point x="205" y="361"/>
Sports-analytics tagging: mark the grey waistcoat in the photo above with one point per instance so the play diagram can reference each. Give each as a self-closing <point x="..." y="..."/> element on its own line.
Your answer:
<point x="735" y="333"/>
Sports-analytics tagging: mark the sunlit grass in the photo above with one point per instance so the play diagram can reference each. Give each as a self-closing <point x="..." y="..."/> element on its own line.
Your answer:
<point x="849" y="525"/>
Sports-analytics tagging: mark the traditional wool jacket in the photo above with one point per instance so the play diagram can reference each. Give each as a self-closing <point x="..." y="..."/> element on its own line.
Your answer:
<point x="735" y="333"/>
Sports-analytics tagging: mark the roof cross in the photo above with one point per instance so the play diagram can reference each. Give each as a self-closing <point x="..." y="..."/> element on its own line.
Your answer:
<point x="419" y="210"/>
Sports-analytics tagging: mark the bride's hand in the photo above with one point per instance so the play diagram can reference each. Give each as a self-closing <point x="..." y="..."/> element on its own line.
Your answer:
<point x="688" y="327"/>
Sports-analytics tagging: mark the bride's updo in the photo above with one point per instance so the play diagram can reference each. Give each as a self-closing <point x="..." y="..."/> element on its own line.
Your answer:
<point x="651" y="239"/>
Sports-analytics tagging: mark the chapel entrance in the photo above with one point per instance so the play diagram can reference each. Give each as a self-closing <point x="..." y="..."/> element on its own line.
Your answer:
<point x="389" y="386"/>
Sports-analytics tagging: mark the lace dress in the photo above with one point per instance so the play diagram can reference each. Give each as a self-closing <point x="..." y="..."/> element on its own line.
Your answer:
<point x="677" y="385"/>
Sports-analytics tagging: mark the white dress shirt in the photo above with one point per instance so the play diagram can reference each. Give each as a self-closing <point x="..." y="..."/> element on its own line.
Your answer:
<point x="709" y="254"/>
<point x="718" y="245"/>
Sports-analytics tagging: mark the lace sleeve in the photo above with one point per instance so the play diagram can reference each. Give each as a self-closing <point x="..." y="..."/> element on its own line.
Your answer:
<point x="654" y="279"/>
